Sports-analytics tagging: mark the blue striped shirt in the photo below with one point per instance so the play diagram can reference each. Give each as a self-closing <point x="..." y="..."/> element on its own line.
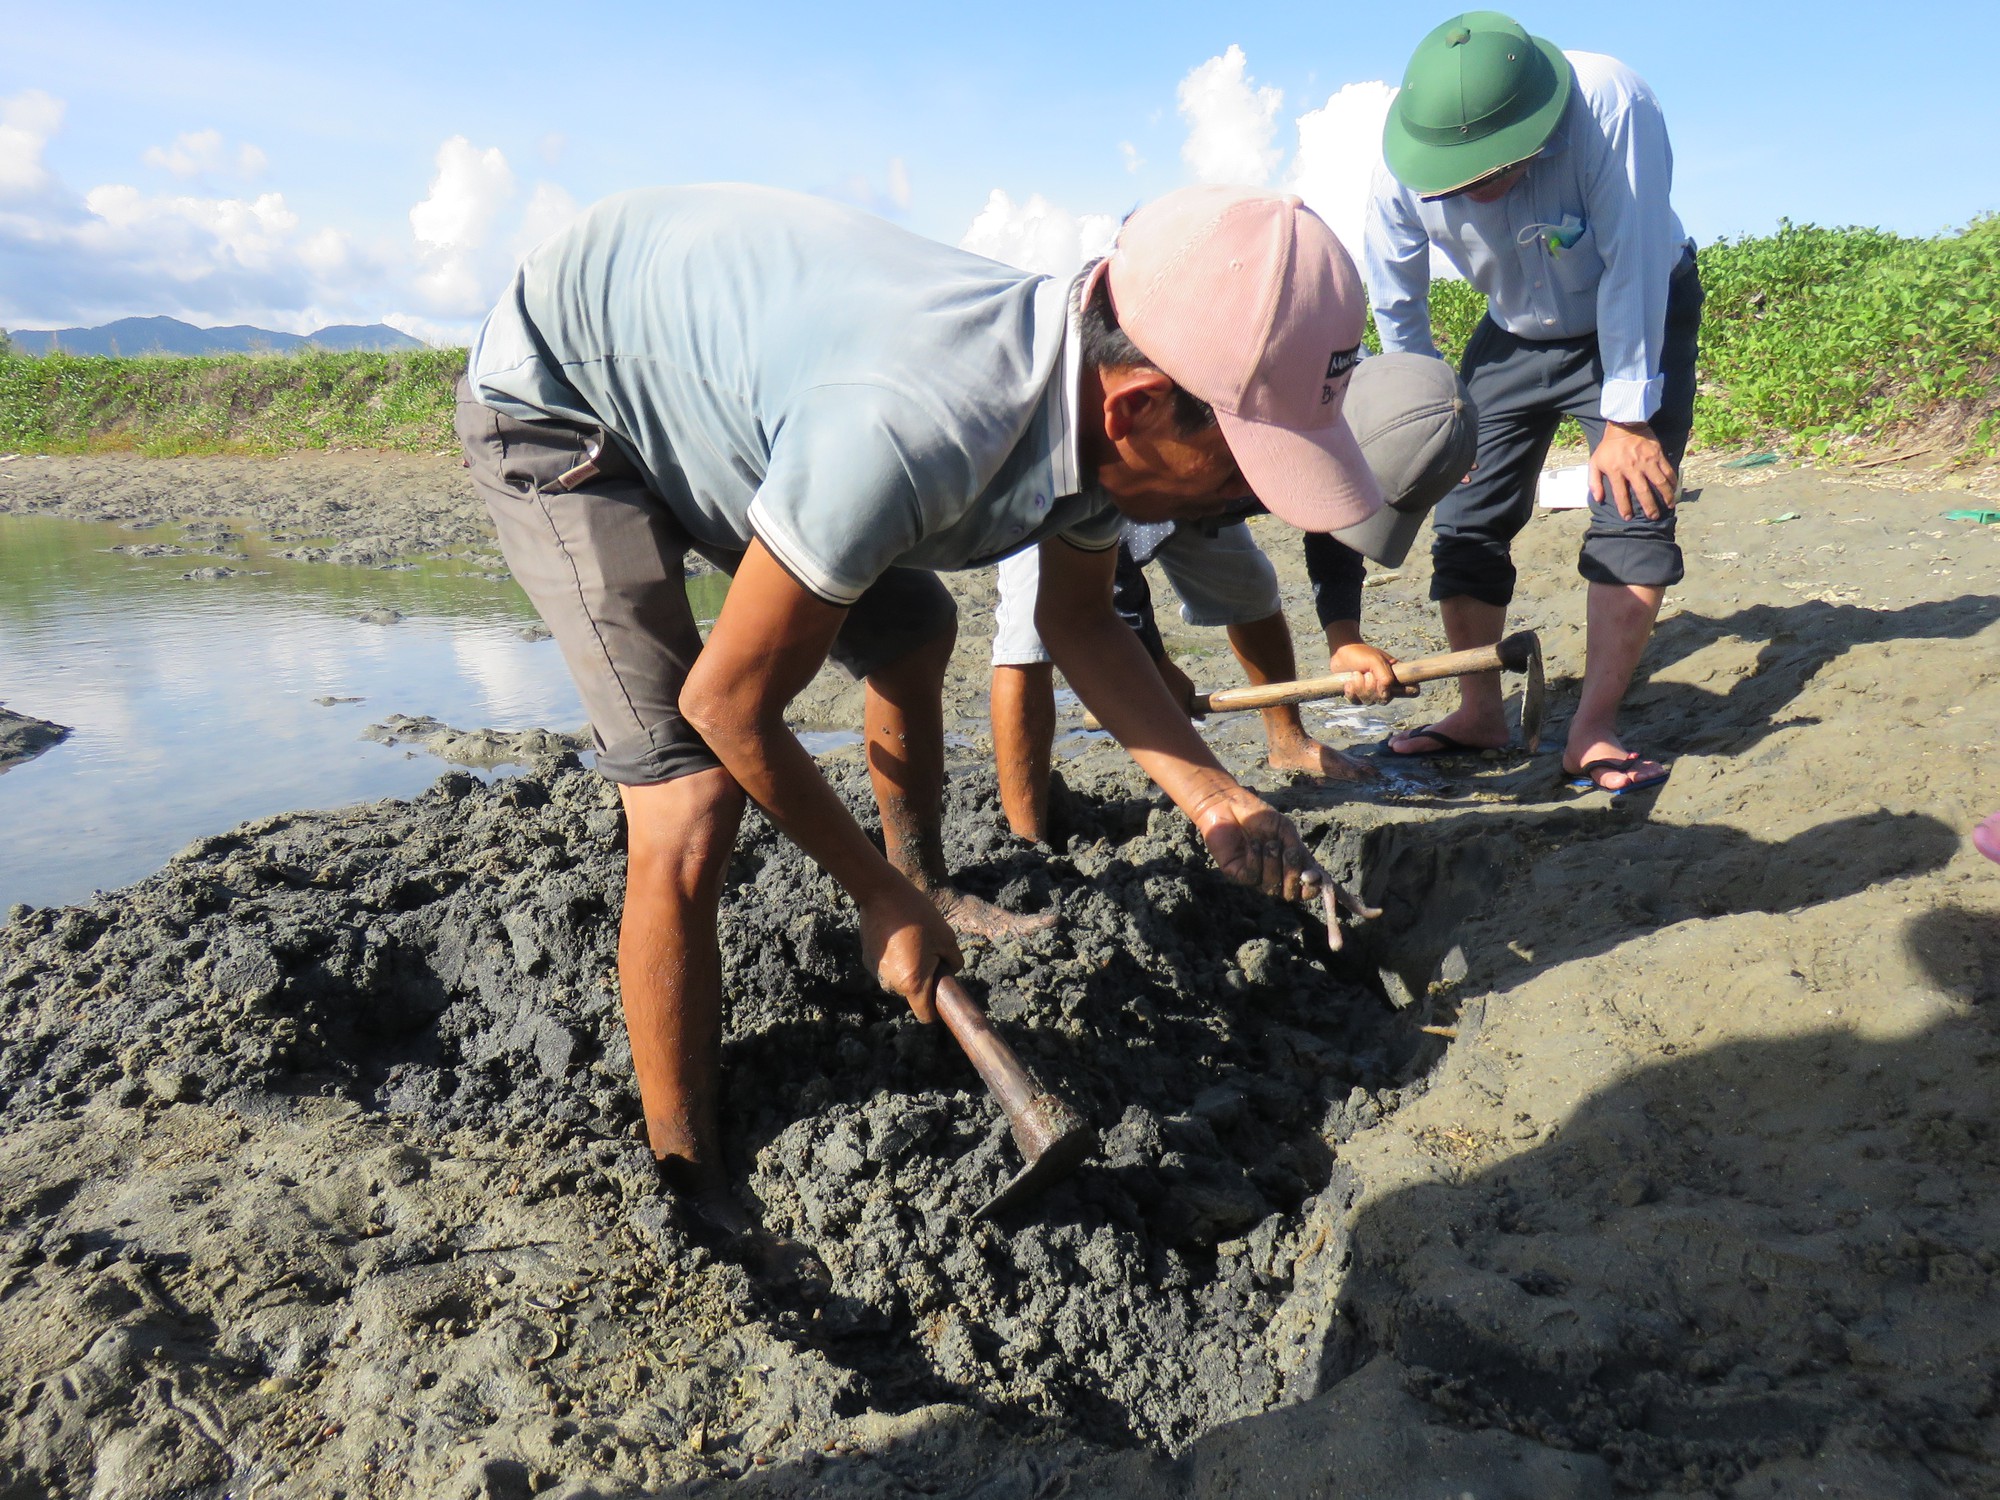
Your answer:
<point x="1602" y="184"/>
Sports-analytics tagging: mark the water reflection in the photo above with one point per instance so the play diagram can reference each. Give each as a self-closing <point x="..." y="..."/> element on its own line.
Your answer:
<point x="194" y="700"/>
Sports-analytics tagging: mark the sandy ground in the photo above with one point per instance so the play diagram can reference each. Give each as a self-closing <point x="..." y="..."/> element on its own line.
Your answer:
<point x="320" y="1174"/>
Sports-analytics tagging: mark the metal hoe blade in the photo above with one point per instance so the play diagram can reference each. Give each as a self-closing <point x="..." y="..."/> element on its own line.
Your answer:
<point x="1055" y="1139"/>
<point x="1534" y="703"/>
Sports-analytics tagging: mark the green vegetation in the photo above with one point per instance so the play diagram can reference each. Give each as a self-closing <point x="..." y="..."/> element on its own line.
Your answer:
<point x="1833" y="340"/>
<point x="1829" y="341"/>
<point x="1823" y="338"/>
<point x="229" y="403"/>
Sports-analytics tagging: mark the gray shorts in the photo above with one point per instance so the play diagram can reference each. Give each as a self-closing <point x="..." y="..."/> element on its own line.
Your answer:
<point x="1221" y="575"/>
<point x="604" y="562"/>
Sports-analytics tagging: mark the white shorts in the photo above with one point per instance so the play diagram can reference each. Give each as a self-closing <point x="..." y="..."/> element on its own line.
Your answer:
<point x="1222" y="579"/>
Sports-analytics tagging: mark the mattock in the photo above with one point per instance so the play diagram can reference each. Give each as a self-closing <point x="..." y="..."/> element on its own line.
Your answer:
<point x="1520" y="652"/>
<point x="1050" y="1133"/>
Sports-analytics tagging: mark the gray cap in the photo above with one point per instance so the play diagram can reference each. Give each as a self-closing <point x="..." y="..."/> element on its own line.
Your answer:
<point x="1419" y="431"/>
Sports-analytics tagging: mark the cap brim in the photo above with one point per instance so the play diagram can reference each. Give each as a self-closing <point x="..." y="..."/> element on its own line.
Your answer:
<point x="1315" y="480"/>
<point x="1432" y="171"/>
<point x="1386" y="536"/>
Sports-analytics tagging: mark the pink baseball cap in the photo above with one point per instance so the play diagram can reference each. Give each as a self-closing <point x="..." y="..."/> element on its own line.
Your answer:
<point x="1250" y="303"/>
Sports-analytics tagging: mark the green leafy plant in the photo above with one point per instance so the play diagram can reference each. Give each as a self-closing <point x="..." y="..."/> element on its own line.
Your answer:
<point x="1832" y="341"/>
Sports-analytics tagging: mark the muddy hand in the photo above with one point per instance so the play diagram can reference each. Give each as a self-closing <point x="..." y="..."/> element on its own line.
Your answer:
<point x="908" y="943"/>
<point x="1255" y="844"/>
<point x="1333" y="898"/>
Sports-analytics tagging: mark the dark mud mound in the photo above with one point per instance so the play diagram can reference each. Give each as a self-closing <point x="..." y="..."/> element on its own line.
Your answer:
<point x="23" y="738"/>
<point x="444" y="970"/>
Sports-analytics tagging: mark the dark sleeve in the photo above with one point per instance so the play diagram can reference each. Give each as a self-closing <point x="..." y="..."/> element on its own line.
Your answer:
<point x="1133" y="600"/>
<point x="1336" y="571"/>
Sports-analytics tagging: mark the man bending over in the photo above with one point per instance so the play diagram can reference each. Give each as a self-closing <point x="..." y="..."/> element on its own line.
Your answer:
<point x="831" y="409"/>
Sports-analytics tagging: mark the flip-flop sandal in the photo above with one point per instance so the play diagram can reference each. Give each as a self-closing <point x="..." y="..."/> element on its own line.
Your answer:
<point x="1585" y="779"/>
<point x="1446" y="745"/>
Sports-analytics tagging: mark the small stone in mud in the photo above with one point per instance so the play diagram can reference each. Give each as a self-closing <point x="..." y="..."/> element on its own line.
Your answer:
<point x="171" y="1085"/>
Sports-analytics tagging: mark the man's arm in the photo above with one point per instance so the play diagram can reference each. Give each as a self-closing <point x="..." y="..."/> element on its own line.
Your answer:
<point x="769" y="640"/>
<point x="1337" y="573"/>
<point x="1628" y="194"/>
<point x="1111" y="673"/>
<point x="1396" y="260"/>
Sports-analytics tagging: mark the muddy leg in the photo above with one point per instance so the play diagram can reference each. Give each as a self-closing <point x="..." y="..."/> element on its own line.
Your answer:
<point x="1264" y="650"/>
<point x="905" y="733"/>
<point x="678" y="838"/>
<point x="1023" y="705"/>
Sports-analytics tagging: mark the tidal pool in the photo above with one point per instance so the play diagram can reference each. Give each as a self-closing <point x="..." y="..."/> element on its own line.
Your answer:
<point x="193" y="701"/>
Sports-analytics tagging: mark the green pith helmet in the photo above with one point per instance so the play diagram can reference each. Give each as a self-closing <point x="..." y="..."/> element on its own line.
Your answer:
<point x="1480" y="94"/>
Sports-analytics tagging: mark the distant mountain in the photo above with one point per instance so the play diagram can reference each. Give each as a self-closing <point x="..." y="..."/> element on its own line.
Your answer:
<point x="172" y="336"/>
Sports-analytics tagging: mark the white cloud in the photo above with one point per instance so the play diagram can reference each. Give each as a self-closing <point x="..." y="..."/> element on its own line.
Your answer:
<point x="1231" y="123"/>
<point x="26" y="123"/>
<point x="899" y="183"/>
<point x="119" y="250"/>
<point x="1340" y="145"/>
<point x="550" y="210"/>
<point x="1037" y="235"/>
<point x="454" y="222"/>
<point x="440" y="334"/>
<point x="199" y="153"/>
<point x="1129" y="153"/>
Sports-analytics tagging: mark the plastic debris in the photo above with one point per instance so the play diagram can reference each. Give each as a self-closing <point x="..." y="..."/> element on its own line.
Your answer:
<point x="1752" y="461"/>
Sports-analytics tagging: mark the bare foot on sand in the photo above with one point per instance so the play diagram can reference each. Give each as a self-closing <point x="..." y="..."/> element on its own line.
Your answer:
<point x="1625" y="772"/>
<point x="1315" y="759"/>
<point x="1459" y="730"/>
<point x="971" y="917"/>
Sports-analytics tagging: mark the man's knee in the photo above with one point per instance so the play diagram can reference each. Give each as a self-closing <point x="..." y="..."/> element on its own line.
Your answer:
<point x="1470" y="567"/>
<point x="1648" y="560"/>
<point x="906" y="621"/>
<point x="679" y="833"/>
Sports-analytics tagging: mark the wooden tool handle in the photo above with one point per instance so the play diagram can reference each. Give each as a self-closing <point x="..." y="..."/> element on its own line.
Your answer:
<point x="1308" y="689"/>
<point x="994" y="1059"/>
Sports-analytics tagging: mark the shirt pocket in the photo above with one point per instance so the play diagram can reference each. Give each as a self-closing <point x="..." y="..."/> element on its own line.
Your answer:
<point x="1577" y="267"/>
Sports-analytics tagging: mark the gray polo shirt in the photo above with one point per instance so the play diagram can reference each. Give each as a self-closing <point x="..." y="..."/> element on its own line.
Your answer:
<point x="850" y="394"/>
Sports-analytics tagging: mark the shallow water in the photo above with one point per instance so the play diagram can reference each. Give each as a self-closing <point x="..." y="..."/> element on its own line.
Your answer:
<point x="192" y="701"/>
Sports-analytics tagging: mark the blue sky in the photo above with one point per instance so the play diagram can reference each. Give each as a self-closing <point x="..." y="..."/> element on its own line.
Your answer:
<point x="238" y="162"/>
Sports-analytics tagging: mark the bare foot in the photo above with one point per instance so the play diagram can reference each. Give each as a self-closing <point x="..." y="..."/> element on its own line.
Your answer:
<point x="971" y="917"/>
<point x="1459" y="728"/>
<point x="1315" y="759"/>
<point x="1641" y="772"/>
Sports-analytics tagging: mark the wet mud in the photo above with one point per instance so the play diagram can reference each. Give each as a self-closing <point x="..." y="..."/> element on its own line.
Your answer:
<point x="23" y="738"/>
<point x="1644" y="1145"/>
<point x="479" y="749"/>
